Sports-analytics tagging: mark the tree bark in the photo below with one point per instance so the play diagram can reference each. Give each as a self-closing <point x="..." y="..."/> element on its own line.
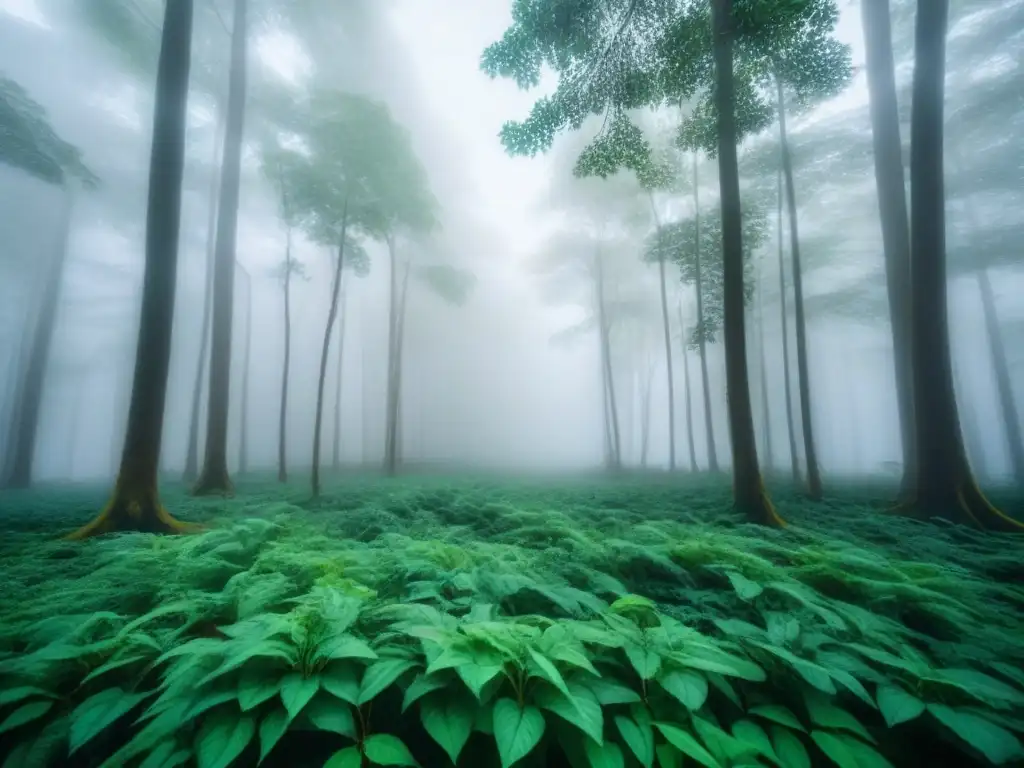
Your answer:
<point x="748" y="488"/>
<point x="325" y="352"/>
<point x="814" y="489"/>
<point x="892" y="209"/>
<point x="282" y="418"/>
<point x="606" y="360"/>
<point x="243" y="436"/>
<point x="668" y="345"/>
<point x="709" y="424"/>
<point x="765" y="406"/>
<point x="688" y="402"/>
<point x="192" y="457"/>
<point x="214" y="478"/>
<point x="394" y="404"/>
<point x="645" y="416"/>
<point x="29" y="405"/>
<point x="791" y="427"/>
<point x="945" y="486"/>
<point x="969" y="423"/>
<point x="135" y="503"/>
<point x="336" y="457"/>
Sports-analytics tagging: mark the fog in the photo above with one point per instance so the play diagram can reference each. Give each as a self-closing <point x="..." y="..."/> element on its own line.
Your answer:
<point x="511" y="378"/>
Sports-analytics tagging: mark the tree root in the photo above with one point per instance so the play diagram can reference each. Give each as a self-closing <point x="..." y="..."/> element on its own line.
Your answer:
<point x="213" y="483"/>
<point x="964" y="504"/>
<point x="133" y="509"/>
<point x="759" y="508"/>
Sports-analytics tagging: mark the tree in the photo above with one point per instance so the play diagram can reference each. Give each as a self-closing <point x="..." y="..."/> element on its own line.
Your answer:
<point x="135" y="504"/>
<point x="214" y="476"/>
<point x="945" y="486"/>
<point x="243" y="436"/>
<point x="31" y="145"/>
<point x="794" y="461"/>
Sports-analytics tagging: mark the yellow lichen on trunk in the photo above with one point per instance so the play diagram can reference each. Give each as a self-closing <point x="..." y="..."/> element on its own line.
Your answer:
<point x="133" y="507"/>
<point x="758" y="507"/>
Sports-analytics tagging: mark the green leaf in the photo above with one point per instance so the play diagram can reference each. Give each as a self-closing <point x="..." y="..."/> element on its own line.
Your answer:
<point x="669" y="756"/>
<point x="385" y="749"/>
<point x="790" y="750"/>
<point x="297" y="691"/>
<point x="827" y="715"/>
<point x="777" y="714"/>
<point x="449" y="721"/>
<point x="815" y="674"/>
<point x="645" y="661"/>
<point x="753" y="735"/>
<point x="581" y="709"/>
<point x="256" y="686"/>
<point x="329" y="714"/>
<point x="639" y="737"/>
<point x="516" y="731"/>
<point x="421" y="686"/>
<point x="690" y="688"/>
<point x="687" y="744"/>
<point x="607" y="755"/>
<point x="896" y="705"/>
<point x="982" y="686"/>
<point x="548" y="671"/>
<point x="349" y="757"/>
<point x="345" y="647"/>
<point x="993" y="741"/>
<point x="272" y="728"/>
<point x="476" y="676"/>
<point x="342" y="681"/>
<point x="380" y="675"/>
<point x="745" y="588"/>
<point x="14" y="695"/>
<point x="864" y="755"/>
<point x="609" y="692"/>
<point x="25" y="714"/>
<point x="834" y="748"/>
<point x="97" y="713"/>
<point x="222" y="737"/>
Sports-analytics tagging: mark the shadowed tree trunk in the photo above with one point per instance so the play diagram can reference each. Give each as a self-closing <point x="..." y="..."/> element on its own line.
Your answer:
<point x="945" y="486"/>
<point x="394" y="405"/>
<point x="192" y="457"/>
<point x="709" y="424"/>
<point x="135" y="504"/>
<point x="336" y="457"/>
<point x="688" y="402"/>
<point x="892" y="209"/>
<point x="969" y="423"/>
<point x="765" y="406"/>
<point x="645" y="415"/>
<point x="32" y="386"/>
<point x="332" y="315"/>
<point x="791" y="428"/>
<point x="604" y="333"/>
<point x="667" y="331"/>
<point x="749" y="493"/>
<point x="214" y="477"/>
<point x="814" y="489"/>
<point x="282" y="418"/>
<point x="243" y="437"/>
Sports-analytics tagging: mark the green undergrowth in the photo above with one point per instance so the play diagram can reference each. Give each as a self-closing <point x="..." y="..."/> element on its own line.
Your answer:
<point x="441" y="622"/>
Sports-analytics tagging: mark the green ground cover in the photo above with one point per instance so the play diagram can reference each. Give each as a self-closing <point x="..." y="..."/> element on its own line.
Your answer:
<point x="488" y="622"/>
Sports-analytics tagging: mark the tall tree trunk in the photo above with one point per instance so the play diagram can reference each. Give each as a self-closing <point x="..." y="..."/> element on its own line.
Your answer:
<point x="192" y="456"/>
<point x="606" y="415"/>
<point x="29" y="405"/>
<point x="282" y="418"/>
<point x="395" y="376"/>
<point x="794" y="460"/>
<point x="1004" y="384"/>
<point x="748" y="489"/>
<point x="606" y="360"/>
<point x="390" y="395"/>
<point x="969" y="423"/>
<point x="892" y="209"/>
<point x="645" y="416"/>
<point x="332" y="315"/>
<point x="214" y="476"/>
<point x="709" y="424"/>
<point x="814" y="489"/>
<point x="243" y="437"/>
<point x="765" y="406"/>
<point x="666" y="328"/>
<point x="688" y="402"/>
<point x="336" y="454"/>
<point x="135" y="503"/>
<point x="945" y="486"/>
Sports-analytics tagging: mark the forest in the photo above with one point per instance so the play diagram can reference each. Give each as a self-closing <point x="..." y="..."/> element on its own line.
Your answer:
<point x="589" y="383"/>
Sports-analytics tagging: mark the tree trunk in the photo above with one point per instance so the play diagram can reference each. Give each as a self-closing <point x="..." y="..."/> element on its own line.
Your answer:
<point x="243" y="437"/>
<point x="192" y="457"/>
<point x="892" y="209"/>
<point x="814" y="489"/>
<point x="645" y="416"/>
<point x="214" y="477"/>
<point x="709" y="425"/>
<point x="606" y="360"/>
<point x="969" y="423"/>
<point x="394" y="404"/>
<point x="336" y="456"/>
<point x="1004" y="384"/>
<point x="688" y="403"/>
<point x="282" y="418"/>
<point x="325" y="352"/>
<point x="945" y="486"/>
<point x="765" y="406"/>
<point x="390" y="395"/>
<point x="135" y="504"/>
<point x="791" y="427"/>
<point x="748" y="489"/>
<point x="668" y="346"/>
<point x="29" y="405"/>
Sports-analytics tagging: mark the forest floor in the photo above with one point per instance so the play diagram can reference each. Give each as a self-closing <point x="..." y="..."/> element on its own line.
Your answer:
<point x="583" y="621"/>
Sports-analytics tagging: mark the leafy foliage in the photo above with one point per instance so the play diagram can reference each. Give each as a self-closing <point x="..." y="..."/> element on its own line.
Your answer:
<point x="485" y="623"/>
